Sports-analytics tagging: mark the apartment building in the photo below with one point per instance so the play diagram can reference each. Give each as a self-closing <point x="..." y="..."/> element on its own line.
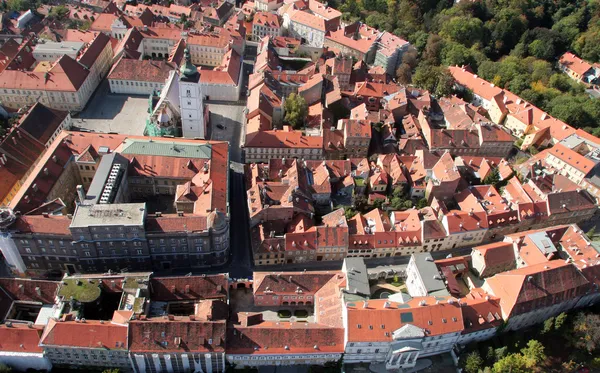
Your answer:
<point x="253" y="341"/>
<point x="25" y="142"/>
<point x="67" y="84"/>
<point x="86" y="343"/>
<point x="535" y="126"/>
<point x="311" y="21"/>
<point x="265" y="24"/>
<point x="139" y="77"/>
<point x="394" y="335"/>
<point x="188" y="333"/>
<point x="109" y="228"/>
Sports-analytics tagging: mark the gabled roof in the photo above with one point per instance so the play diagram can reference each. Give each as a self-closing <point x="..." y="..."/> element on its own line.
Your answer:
<point x="376" y="320"/>
<point x="21" y="338"/>
<point x="88" y="334"/>
<point x="290" y="282"/>
<point x="167" y="289"/>
<point x="574" y="63"/>
<point x="179" y="335"/>
<point x="542" y="285"/>
<point x="285" y="338"/>
<point x="496" y="254"/>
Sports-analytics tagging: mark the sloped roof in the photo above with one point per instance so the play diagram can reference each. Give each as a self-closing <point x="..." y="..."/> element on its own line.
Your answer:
<point x="88" y="334"/>
<point x="178" y="335"/>
<point x="186" y="288"/>
<point x="542" y="285"/>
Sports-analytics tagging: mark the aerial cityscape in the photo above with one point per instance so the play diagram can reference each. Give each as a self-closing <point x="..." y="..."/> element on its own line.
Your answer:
<point x="300" y="186"/>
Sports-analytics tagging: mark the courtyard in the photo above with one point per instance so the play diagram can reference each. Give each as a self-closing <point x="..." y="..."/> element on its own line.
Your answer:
<point x="113" y="113"/>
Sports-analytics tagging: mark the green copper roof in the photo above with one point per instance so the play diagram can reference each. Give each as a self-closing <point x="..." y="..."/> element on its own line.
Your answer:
<point x="188" y="70"/>
<point x="166" y="149"/>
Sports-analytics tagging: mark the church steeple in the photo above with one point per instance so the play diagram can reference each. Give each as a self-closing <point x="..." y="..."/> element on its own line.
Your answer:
<point x="188" y="72"/>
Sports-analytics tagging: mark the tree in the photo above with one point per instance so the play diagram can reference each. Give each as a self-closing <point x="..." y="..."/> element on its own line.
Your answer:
<point x="422" y="203"/>
<point x="513" y="363"/>
<point x="114" y="370"/>
<point x="548" y="326"/>
<point x="586" y="331"/>
<point x="539" y="49"/>
<point x="17" y="5"/>
<point x="492" y="178"/>
<point x="473" y="362"/>
<point x="561" y="319"/>
<point x="349" y="212"/>
<point x="465" y="30"/>
<point x="296" y="110"/>
<point x="534" y="353"/>
<point x="59" y="13"/>
<point x="5" y="369"/>
<point x="435" y="79"/>
<point x="404" y="74"/>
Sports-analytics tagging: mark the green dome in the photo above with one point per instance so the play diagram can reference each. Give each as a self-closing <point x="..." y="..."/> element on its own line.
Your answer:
<point x="188" y="72"/>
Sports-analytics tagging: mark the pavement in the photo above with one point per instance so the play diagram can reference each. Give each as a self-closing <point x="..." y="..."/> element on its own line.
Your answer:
<point x="107" y="112"/>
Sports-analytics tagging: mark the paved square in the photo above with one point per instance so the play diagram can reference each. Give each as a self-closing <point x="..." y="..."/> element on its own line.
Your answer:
<point x="107" y="112"/>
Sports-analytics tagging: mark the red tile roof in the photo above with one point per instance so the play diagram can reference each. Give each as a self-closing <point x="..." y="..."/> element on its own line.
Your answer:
<point x="497" y="253"/>
<point x="94" y="49"/>
<point x="88" y="334"/>
<point x="290" y="282"/>
<point x="175" y="223"/>
<point x="168" y="289"/>
<point x="141" y="70"/>
<point x="377" y="323"/>
<point x="480" y="312"/>
<point x="21" y="338"/>
<point x="178" y="335"/>
<point x="285" y="338"/>
<point x="574" y="63"/>
<point x="543" y="285"/>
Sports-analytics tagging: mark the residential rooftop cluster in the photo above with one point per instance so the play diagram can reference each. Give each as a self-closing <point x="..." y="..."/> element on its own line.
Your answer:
<point x="140" y="321"/>
<point x="336" y="162"/>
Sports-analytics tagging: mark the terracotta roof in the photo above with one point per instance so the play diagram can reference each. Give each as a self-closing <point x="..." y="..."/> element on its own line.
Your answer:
<point x="372" y="321"/>
<point x="285" y="338"/>
<point x="12" y="289"/>
<point x="543" y="285"/>
<point x="94" y="49"/>
<point x="65" y="75"/>
<point x="290" y="282"/>
<point x="464" y="221"/>
<point x="479" y="86"/>
<point x="142" y="70"/>
<point x="178" y="335"/>
<point x="572" y="158"/>
<point x="21" y="338"/>
<point x="39" y="224"/>
<point x="167" y="289"/>
<point x="41" y="122"/>
<point x="175" y="223"/>
<point x="480" y="312"/>
<point x="283" y="139"/>
<point x="88" y="334"/>
<point x="574" y="63"/>
<point x="496" y="253"/>
<point x="227" y="73"/>
<point x="266" y="19"/>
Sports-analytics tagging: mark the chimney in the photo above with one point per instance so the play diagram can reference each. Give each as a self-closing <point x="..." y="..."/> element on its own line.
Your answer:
<point x="81" y="193"/>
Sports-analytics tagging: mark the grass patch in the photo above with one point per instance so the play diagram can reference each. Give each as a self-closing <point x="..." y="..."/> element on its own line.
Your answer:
<point x="131" y="283"/>
<point x="81" y="290"/>
<point x="301" y="313"/>
<point x="138" y="305"/>
<point x="284" y="314"/>
<point x="359" y="182"/>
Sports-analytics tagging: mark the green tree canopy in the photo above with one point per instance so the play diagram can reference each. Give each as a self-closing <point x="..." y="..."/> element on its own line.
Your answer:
<point x="296" y="110"/>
